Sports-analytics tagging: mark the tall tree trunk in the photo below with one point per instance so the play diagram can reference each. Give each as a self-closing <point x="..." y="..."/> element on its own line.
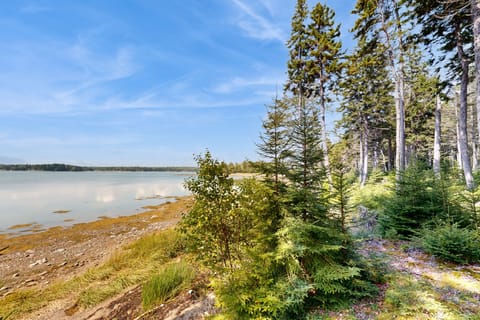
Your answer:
<point x="384" y="160"/>
<point x="375" y="156"/>
<point x="437" y="141"/>
<point x="459" y="154"/>
<point x="462" y="113"/>
<point x="323" y="125"/>
<point x="474" y="138"/>
<point x="475" y="4"/>
<point x="400" y="123"/>
<point x="396" y="62"/>
<point x="390" y="154"/>
<point x="363" y="158"/>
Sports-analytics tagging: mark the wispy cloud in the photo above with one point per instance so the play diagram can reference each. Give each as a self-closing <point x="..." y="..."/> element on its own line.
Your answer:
<point x="47" y="82"/>
<point x="239" y="84"/>
<point x="256" y="25"/>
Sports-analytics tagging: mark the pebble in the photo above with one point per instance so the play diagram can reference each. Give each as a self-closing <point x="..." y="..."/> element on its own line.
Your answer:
<point x="43" y="273"/>
<point x="60" y="250"/>
<point x="28" y="281"/>
<point x="4" y="288"/>
<point x="63" y="264"/>
<point x="16" y="275"/>
<point x="36" y="263"/>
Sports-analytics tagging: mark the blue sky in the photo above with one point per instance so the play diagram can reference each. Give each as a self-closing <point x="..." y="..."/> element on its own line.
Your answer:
<point x="140" y="82"/>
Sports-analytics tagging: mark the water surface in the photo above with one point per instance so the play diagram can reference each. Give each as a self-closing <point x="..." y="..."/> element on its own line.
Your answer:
<point x="63" y="198"/>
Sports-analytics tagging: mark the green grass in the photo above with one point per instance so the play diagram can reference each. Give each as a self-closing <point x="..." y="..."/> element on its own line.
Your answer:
<point x="410" y="298"/>
<point x="167" y="283"/>
<point x="132" y="265"/>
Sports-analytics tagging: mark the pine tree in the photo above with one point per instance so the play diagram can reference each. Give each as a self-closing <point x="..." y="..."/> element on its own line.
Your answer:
<point x="274" y="148"/>
<point x="298" y="45"/>
<point x="421" y="91"/>
<point x="305" y="170"/>
<point x="381" y="20"/>
<point x="448" y="24"/>
<point x="367" y="102"/>
<point x="323" y="65"/>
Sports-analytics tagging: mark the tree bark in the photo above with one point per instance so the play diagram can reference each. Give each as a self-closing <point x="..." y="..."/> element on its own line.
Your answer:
<point x="475" y="7"/>
<point x="457" y="128"/>
<point x="474" y="138"/>
<point x="437" y="139"/>
<point x="363" y="158"/>
<point x="396" y="62"/>
<point x="390" y="154"/>
<point x="323" y="125"/>
<point x="462" y="113"/>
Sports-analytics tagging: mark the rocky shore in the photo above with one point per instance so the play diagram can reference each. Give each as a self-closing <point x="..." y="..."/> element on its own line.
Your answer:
<point x="38" y="260"/>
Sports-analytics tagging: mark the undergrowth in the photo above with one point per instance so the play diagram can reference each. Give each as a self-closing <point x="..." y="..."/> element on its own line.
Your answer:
<point x="167" y="283"/>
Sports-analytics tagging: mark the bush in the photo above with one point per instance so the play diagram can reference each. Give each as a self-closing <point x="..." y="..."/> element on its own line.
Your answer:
<point x="452" y="243"/>
<point x="167" y="283"/>
<point x="415" y="201"/>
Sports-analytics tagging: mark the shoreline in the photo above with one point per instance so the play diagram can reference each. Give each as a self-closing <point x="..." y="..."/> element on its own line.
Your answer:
<point x="40" y="259"/>
<point x="34" y="227"/>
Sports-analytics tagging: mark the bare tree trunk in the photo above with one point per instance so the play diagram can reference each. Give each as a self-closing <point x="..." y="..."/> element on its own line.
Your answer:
<point x="475" y="4"/>
<point x="363" y="158"/>
<point x="390" y="154"/>
<point x="474" y="138"/>
<point x="400" y="124"/>
<point x="323" y="125"/>
<point x="384" y="160"/>
<point x="459" y="154"/>
<point x="375" y="156"/>
<point x="437" y="141"/>
<point x="396" y="53"/>
<point x="462" y="113"/>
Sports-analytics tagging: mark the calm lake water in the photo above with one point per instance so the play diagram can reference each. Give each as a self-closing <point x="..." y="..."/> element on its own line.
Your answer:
<point x="49" y="199"/>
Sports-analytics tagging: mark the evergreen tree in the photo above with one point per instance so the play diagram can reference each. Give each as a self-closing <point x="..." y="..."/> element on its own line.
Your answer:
<point x="366" y="104"/>
<point x="381" y="20"/>
<point x="448" y="24"/>
<point x="323" y="65"/>
<point x="421" y="91"/>
<point x="274" y="148"/>
<point x="305" y="173"/>
<point x="297" y="82"/>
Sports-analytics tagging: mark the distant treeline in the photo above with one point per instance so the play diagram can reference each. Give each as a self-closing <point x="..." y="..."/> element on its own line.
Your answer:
<point x="246" y="166"/>
<point x="68" y="167"/>
<point x="242" y="167"/>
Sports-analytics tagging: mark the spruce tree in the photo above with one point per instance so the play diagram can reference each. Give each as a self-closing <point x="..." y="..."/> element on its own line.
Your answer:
<point x="382" y="20"/>
<point x="323" y="66"/>
<point x="448" y="24"/>
<point x="367" y="104"/>
<point x="298" y="50"/>
<point x="274" y="148"/>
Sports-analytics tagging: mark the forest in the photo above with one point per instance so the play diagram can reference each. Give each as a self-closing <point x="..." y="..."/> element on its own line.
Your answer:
<point x="68" y="167"/>
<point x="402" y="170"/>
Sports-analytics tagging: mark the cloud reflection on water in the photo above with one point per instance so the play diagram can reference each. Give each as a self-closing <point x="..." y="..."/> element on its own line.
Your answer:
<point x="27" y="197"/>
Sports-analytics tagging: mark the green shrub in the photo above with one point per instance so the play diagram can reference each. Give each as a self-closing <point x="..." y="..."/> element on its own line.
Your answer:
<point x="452" y="243"/>
<point x="415" y="201"/>
<point x="167" y="283"/>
